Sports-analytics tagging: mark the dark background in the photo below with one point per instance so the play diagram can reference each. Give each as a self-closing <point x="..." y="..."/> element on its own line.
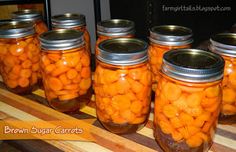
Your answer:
<point x="147" y="13"/>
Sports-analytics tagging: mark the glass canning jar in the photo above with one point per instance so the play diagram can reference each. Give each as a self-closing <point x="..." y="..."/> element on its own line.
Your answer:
<point x="114" y="28"/>
<point x="188" y="100"/>
<point x="72" y="21"/>
<point x="122" y="84"/>
<point x="162" y="39"/>
<point x="224" y="44"/>
<point x="66" y="73"/>
<point x="19" y="56"/>
<point x="33" y="16"/>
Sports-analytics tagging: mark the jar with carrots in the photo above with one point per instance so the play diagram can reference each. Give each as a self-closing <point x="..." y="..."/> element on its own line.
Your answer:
<point x="19" y="56"/>
<point x="225" y="45"/>
<point x="162" y="39"/>
<point x="188" y="100"/>
<point x="114" y="28"/>
<point x="72" y="21"/>
<point x="33" y="16"/>
<point x="66" y="73"/>
<point x="122" y="85"/>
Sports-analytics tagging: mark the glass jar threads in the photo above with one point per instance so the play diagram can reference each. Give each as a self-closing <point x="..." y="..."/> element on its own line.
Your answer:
<point x="19" y="56"/>
<point x="66" y="70"/>
<point x="162" y="39"/>
<point x="188" y="100"/>
<point x="33" y="16"/>
<point x="72" y="21"/>
<point x="114" y="28"/>
<point x="122" y="84"/>
<point x="225" y="45"/>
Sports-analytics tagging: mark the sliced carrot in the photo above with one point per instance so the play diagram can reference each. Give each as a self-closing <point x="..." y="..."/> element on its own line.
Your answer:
<point x="170" y="111"/>
<point x="146" y="78"/>
<point x="13" y="76"/>
<point x="166" y="127"/>
<point x="136" y="86"/>
<point x="136" y="107"/>
<point x="25" y="73"/>
<point x="122" y="101"/>
<point x="23" y="82"/>
<point x="212" y="92"/>
<point x="71" y="87"/>
<point x="78" y="67"/>
<point x="229" y="95"/>
<point x="116" y="118"/>
<point x="196" y="111"/>
<point x="71" y="74"/>
<point x="139" y="120"/>
<point x="128" y="115"/>
<point x="16" y="50"/>
<point x="23" y="57"/>
<point x="201" y="119"/>
<point x="181" y="102"/>
<point x="85" y="72"/>
<point x="203" y="136"/>
<point x="26" y="64"/>
<point x="186" y="119"/>
<point x="85" y="60"/>
<point x="176" y="122"/>
<point x="122" y="85"/>
<point x="63" y="78"/>
<point x="34" y="78"/>
<point x="232" y="79"/>
<point x="131" y="96"/>
<point x="135" y="74"/>
<point x="177" y="136"/>
<point x="228" y="109"/>
<point x="213" y="108"/>
<point x="102" y="116"/>
<point x="54" y="57"/>
<point x="171" y="91"/>
<point x="85" y="83"/>
<point x="55" y="84"/>
<point x="60" y="70"/>
<point x="11" y="83"/>
<point x="16" y="69"/>
<point x="45" y="60"/>
<point x="68" y="96"/>
<point x="209" y="102"/>
<point x="194" y="141"/>
<point x="49" y="68"/>
<point x="35" y="59"/>
<point x="35" y="67"/>
<point x="194" y="100"/>
<point x="110" y="76"/>
<point x="110" y="89"/>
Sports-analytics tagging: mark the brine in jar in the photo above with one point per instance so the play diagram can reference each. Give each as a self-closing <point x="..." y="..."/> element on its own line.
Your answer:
<point x="188" y="100"/>
<point x="122" y="85"/>
<point x="162" y="39"/>
<point x="66" y="72"/>
<point x="19" y="56"/>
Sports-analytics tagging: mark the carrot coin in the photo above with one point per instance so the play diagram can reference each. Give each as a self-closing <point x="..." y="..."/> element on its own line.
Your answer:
<point x="23" y="82"/>
<point x="26" y="64"/>
<point x="55" y="84"/>
<point x="229" y="95"/>
<point x="68" y="96"/>
<point x="85" y="83"/>
<point x="194" y="100"/>
<point x="212" y="92"/>
<point x="25" y="73"/>
<point x="85" y="72"/>
<point x="136" y="107"/>
<point x="194" y="141"/>
<point x="71" y="74"/>
<point x="170" y="111"/>
<point x="171" y="91"/>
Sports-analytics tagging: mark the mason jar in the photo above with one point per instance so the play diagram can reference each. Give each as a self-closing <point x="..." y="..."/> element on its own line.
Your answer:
<point x="66" y="73"/>
<point x="33" y="16"/>
<point x="162" y="39"/>
<point x="19" y="56"/>
<point x="224" y="44"/>
<point x="188" y="100"/>
<point x="72" y="21"/>
<point x="114" y="28"/>
<point x="122" y="85"/>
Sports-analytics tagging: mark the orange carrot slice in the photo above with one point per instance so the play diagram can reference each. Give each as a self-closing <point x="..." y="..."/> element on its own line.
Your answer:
<point x="55" y="84"/>
<point x="171" y="91"/>
<point x="229" y="95"/>
<point x="23" y="82"/>
<point x="71" y="74"/>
